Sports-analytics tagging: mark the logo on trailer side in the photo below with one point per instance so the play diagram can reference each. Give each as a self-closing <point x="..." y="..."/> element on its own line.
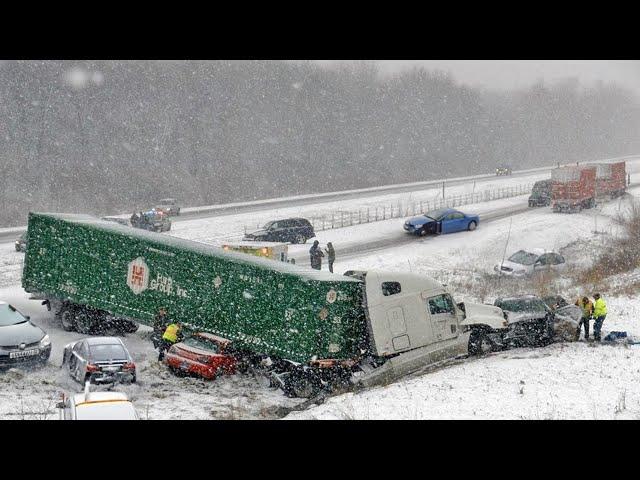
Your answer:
<point x="138" y="275"/>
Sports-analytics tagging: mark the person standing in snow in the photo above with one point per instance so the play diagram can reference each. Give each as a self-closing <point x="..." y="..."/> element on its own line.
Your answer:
<point x="587" y="314"/>
<point x="315" y="256"/>
<point x="160" y="323"/>
<point x="331" y="254"/>
<point x="599" y="314"/>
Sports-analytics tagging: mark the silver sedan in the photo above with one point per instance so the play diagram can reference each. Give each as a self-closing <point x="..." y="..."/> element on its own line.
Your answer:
<point x="99" y="360"/>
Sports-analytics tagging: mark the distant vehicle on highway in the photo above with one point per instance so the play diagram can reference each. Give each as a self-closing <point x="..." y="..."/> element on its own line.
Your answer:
<point x="96" y="406"/>
<point x="169" y="206"/>
<point x="21" y="243"/>
<point x="202" y="354"/>
<point x="21" y="342"/>
<point x="541" y="194"/>
<point x="121" y="221"/>
<point x="293" y="230"/>
<point x="503" y="170"/>
<point x="99" y="360"/>
<point x="152" y="220"/>
<point x="524" y="263"/>
<point x="445" y="220"/>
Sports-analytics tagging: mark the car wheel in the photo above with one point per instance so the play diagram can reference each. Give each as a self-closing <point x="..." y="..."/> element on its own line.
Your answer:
<point x="68" y="320"/>
<point x="423" y="232"/>
<point x="472" y="226"/>
<point x="480" y="343"/>
<point x="134" y="378"/>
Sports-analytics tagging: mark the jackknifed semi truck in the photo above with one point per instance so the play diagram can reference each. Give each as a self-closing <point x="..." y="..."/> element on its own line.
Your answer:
<point x="309" y="330"/>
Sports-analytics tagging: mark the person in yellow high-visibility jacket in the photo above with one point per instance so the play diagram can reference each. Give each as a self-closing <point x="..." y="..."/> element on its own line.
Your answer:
<point x="172" y="334"/>
<point x="599" y="314"/>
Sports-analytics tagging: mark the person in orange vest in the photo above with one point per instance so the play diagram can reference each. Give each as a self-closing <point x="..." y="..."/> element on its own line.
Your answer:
<point x="172" y="334"/>
<point x="587" y="314"/>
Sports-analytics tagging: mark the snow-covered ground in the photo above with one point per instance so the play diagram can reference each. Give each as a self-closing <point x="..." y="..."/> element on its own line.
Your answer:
<point x="559" y="381"/>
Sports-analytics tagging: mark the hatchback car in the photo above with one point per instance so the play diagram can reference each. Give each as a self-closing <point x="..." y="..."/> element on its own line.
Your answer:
<point x="524" y="263"/>
<point x="202" y="354"/>
<point x="293" y="230"/>
<point x="530" y="320"/>
<point x="21" y="342"/>
<point x="97" y="406"/>
<point x="99" y="360"/>
<point x="445" y="220"/>
<point x="168" y="206"/>
<point x="21" y="243"/>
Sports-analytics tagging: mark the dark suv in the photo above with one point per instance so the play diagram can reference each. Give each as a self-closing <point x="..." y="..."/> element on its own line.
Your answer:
<point x="294" y="230"/>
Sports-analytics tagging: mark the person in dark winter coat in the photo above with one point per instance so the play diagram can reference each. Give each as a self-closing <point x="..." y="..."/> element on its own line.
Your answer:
<point x="315" y="256"/>
<point x="160" y="323"/>
<point x="331" y="255"/>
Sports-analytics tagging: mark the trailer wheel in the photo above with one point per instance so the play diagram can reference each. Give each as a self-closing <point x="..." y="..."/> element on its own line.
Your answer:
<point x="68" y="319"/>
<point x="84" y="323"/>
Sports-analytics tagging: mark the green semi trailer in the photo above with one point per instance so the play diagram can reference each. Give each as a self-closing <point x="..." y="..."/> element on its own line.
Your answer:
<point x="311" y="328"/>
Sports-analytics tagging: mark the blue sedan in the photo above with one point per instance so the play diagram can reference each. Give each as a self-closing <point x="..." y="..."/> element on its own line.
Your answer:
<point x="445" y="220"/>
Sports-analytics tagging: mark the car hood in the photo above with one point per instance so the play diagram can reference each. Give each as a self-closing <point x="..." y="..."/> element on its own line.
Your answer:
<point x="480" y="314"/>
<point x="514" y="317"/>
<point x="419" y="221"/>
<point x="515" y="266"/>
<point x="25" y="332"/>
<point x="569" y="312"/>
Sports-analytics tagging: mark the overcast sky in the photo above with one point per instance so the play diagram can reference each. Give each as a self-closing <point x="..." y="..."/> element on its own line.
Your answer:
<point x="509" y="74"/>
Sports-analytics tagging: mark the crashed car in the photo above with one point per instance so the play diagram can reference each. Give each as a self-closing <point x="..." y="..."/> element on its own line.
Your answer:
<point x="96" y="406"/>
<point x="510" y="322"/>
<point x="22" y="343"/>
<point x="565" y="319"/>
<point x="524" y="263"/>
<point x="99" y="360"/>
<point x="530" y="320"/>
<point x="202" y="354"/>
<point x="444" y="220"/>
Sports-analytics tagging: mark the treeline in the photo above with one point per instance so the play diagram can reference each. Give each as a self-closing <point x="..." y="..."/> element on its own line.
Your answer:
<point x="111" y="136"/>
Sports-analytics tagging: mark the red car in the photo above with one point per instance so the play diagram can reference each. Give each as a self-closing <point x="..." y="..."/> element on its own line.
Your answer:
<point x="202" y="354"/>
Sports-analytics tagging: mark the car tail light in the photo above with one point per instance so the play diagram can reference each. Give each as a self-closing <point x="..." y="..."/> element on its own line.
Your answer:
<point x="129" y="366"/>
<point x="92" y="368"/>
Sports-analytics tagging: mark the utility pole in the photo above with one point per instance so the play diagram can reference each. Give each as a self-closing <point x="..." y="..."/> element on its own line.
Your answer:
<point x="443" y="191"/>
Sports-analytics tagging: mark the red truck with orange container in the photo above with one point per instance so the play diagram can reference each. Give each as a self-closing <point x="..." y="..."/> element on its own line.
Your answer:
<point x="576" y="187"/>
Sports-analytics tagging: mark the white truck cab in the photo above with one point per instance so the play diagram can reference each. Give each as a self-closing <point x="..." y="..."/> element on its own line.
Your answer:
<point x="96" y="406"/>
<point x="413" y="321"/>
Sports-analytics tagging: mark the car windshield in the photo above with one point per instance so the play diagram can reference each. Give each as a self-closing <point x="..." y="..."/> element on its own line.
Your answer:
<point x="202" y="344"/>
<point x="522" y="305"/>
<point x="107" y="410"/>
<point x="10" y="316"/>
<point x="523" y="258"/>
<point x="436" y="214"/>
<point x="102" y="353"/>
<point x="267" y="225"/>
